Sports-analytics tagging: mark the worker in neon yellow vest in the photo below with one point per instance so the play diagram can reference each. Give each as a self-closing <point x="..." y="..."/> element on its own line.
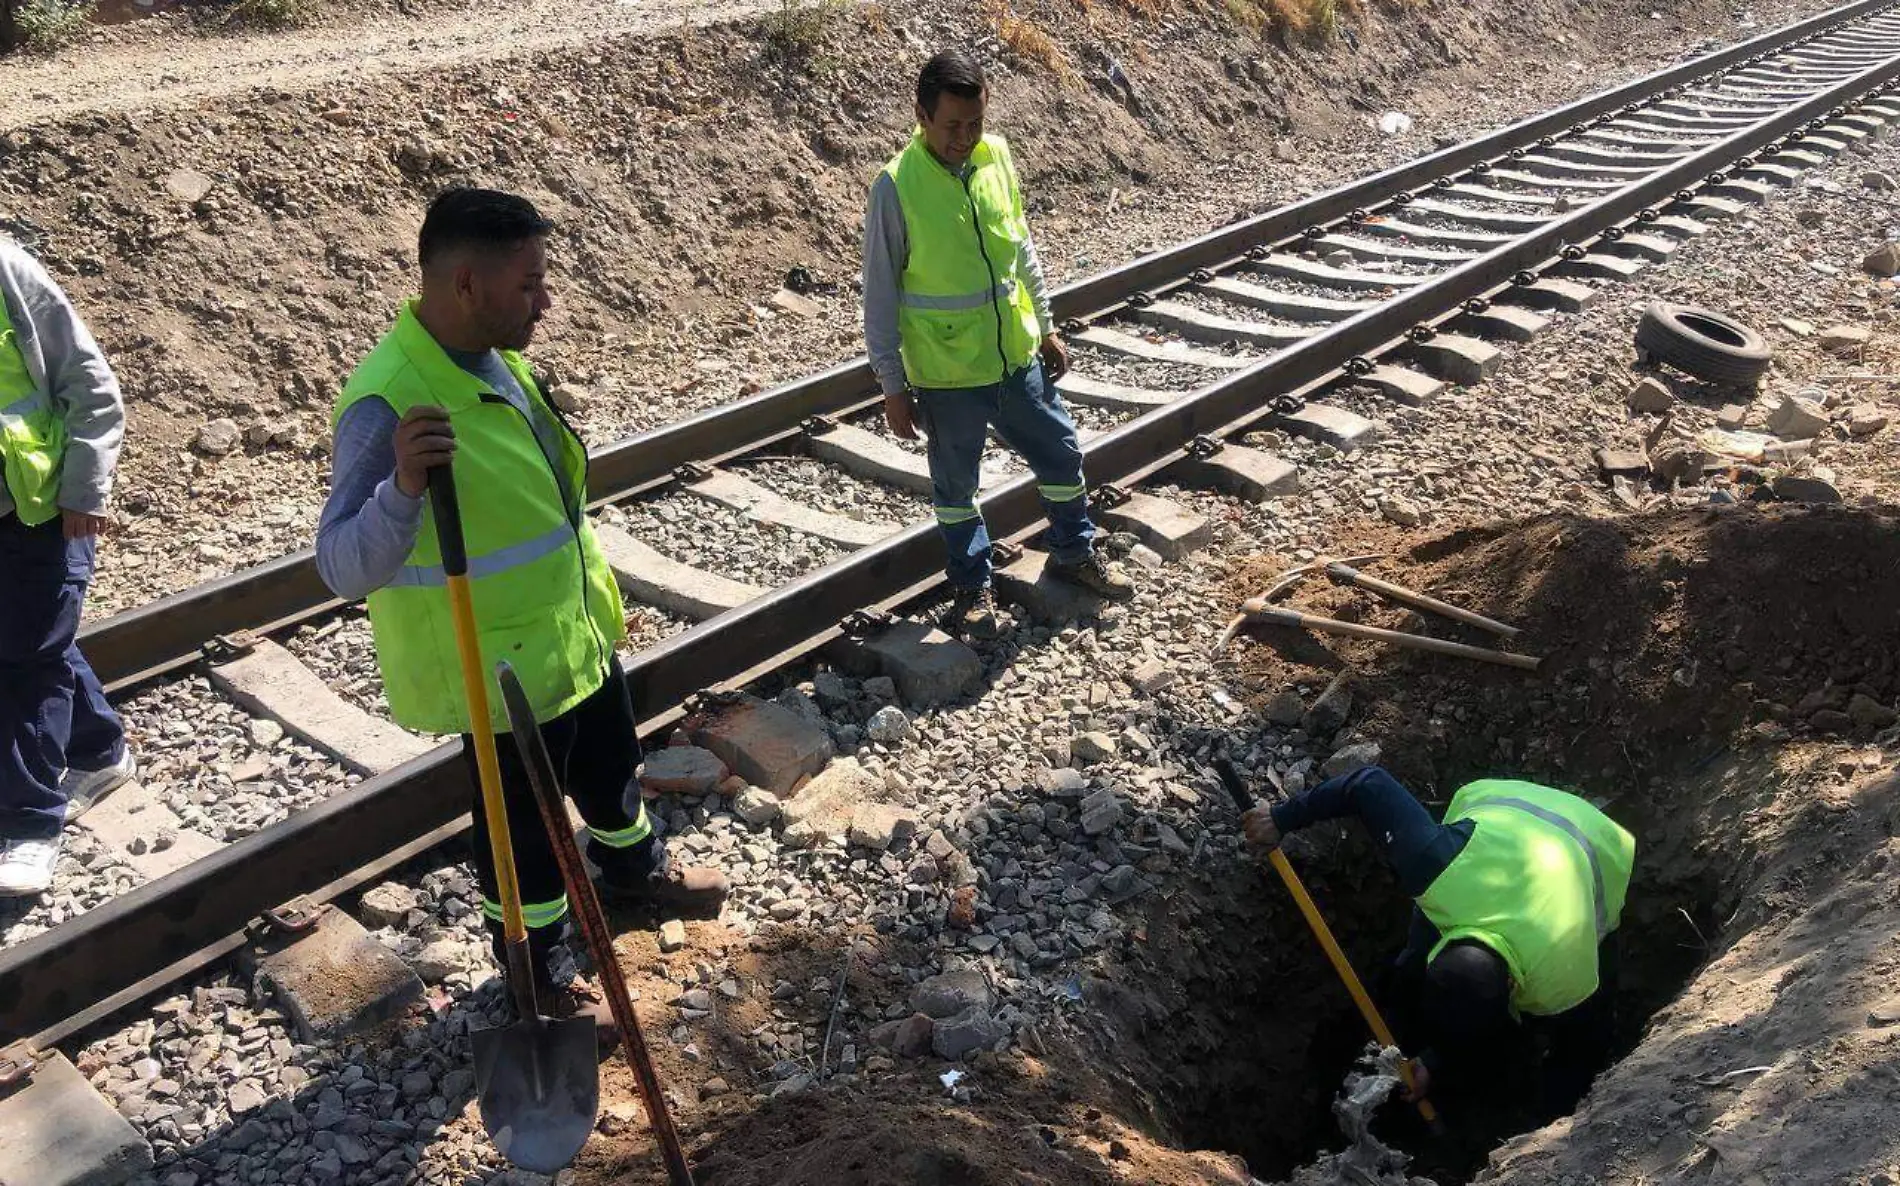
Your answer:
<point x="448" y="385"/>
<point x="960" y="335"/>
<point x="1519" y="892"/>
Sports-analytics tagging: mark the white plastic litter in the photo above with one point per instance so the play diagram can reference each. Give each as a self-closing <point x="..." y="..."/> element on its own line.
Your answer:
<point x="1395" y="123"/>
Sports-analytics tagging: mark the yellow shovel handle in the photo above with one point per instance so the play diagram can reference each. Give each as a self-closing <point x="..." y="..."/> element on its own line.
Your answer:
<point x="448" y="532"/>
<point x="1327" y="943"/>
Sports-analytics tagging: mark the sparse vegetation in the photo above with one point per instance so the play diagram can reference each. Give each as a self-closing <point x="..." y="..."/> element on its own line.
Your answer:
<point x="267" y="14"/>
<point x="49" y="24"/>
<point x="795" y="32"/>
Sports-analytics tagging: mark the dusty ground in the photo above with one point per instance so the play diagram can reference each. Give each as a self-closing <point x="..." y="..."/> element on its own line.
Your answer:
<point x="237" y="214"/>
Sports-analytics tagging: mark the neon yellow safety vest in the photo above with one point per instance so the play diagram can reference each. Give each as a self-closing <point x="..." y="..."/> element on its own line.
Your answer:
<point x="1541" y="881"/>
<point x="965" y="317"/>
<point x="32" y="434"/>
<point x="544" y="598"/>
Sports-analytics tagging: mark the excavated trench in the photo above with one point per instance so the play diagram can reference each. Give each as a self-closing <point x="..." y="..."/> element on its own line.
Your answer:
<point x="1677" y="647"/>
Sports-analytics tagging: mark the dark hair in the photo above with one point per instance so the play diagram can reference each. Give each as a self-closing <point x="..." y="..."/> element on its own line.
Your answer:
<point x="482" y="218"/>
<point x="1467" y="1000"/>
<point x="952" y="70"/>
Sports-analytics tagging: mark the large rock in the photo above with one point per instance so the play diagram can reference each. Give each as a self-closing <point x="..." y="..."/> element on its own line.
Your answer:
<point x="756" y="806"/>
<point x="1349" y="758"/>
<point x="218" y="437"/>
<point x="1797" y="418"/>
<point x="1331" y="710"/>
<point x="877" y="826"/>
<point x="1092" y="747"/>
<point x="1286" y="708"/>
<point x="888" y="725"/>
<point x="334" y="979"/>
<point x="767" y="744"/>
<point x="1650" y="395"/>
<point x="1101" y="811"/>
<point x="1845" y="339"/>
<point x="966" y="1033"/>
<point x="824" y="807"/>
<point x="1883" y="260"/>
<point x="950" y="993"/>
<point x="387" y="904"/>
<point x="683" y="770"/>
<point x="1865" y="420"/>
<point x="58" y="1131"/>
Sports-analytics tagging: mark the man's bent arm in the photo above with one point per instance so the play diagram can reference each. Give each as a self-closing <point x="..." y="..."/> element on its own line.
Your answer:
<point x="886" y="252"/>
<point x="369" y="526"/>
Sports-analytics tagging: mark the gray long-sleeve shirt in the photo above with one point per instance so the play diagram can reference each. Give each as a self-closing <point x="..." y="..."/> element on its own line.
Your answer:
<point x="67" y="365"/>
<point x="369" y="526"/>
<point x="886" y="254"/>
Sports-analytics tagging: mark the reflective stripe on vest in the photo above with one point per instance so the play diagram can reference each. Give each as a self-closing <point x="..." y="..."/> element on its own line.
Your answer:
<point x="971" y="300"/>
<point x="488" y="564"/>
<point x="1575" y="833"/>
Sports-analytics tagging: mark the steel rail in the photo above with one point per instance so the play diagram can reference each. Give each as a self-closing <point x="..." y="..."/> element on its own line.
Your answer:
<point x="79" y="972"/>
<point x="170" y="632"/>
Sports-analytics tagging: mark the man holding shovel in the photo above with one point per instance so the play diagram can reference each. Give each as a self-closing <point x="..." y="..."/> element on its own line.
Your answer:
<point x="447" y="385"/>
<point x="1519" y="892"/>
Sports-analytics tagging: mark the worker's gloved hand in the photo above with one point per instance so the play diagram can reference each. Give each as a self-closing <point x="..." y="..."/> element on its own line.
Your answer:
<point x="1421" y="1085"/>
<point x="1261" y="831"/>
<point x="423" y="441"/>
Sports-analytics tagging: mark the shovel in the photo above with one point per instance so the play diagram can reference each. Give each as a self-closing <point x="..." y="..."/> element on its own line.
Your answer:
<point x="537" y="1081"/>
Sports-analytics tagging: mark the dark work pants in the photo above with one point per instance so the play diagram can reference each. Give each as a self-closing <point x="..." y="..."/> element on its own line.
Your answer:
<point x="53" y="713"/>
<point x="595" y="748"/>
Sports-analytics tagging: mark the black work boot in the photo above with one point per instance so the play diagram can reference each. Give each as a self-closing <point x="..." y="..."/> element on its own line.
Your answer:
<point x="1096" y="575"/>
<point x="972" y="614"/>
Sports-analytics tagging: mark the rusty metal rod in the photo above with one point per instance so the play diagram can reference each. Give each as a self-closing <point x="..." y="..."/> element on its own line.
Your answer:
<point x="1346" y="574"/>
<point x="1275" y="616"/>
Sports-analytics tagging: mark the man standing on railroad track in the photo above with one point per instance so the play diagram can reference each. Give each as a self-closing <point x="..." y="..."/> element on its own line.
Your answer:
<point x="1513" y="938"/>
<point x="447" y="384"/>
<point x="61" y="423"/>
<point x="960" y="334"/>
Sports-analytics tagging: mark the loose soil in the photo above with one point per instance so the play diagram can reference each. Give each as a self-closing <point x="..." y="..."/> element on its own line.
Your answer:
<point x="1689" y="661"/>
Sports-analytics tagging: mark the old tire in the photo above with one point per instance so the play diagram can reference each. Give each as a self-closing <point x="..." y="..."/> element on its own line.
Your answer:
<point x="1703" y="343"/>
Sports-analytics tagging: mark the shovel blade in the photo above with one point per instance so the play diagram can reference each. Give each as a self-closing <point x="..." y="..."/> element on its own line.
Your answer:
<point x="538" y="1086"/>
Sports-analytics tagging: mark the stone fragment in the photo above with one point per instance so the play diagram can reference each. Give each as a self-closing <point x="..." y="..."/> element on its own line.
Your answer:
<point x="387" y="905"/>
<point x="824" y="807"/>
<point x="1401" y="511"/>
<point x="950" y="993"/>
<point x="218" y="437"/>
<point x="672" y="935"/>
<point x="1152" y="675"/>
<point x="1797" y="327"/>
<point x="1062" y="782"/>
<point x="1804" y="488"/>
<point x="1865" y="420"/>
<point x="1880" y="182"/>
<point x="756" y="806"/>
<point x="877" y="826"/>
<point x="1672" y="461"/>
<point x="1883" y="260"/>
<point x="1731" y="417"/>
<point x="440" y="959"/>
<point x="188" y="185"/>
<point x="1331" y="710"/>
<point x="1349" y="758"/>
<point x="1831" y="720"/>
<point x="1286" y="708"/>
<point x="1100" y="812"/>
<point x="914" y="1036"/>
<point x="796" y="303"/>
<point x="967" y="1032"/>
<point x="1845" y="339"/>
<point x="1650" y="395"/>
<point x="962" y="913"/>
<point x="927" y="666"/>
<point x="1092" y="747"/>
<point x="335" y="979"/>
<point x="1622" y="463"/>
<point x="569" y="397"/>
<point x="767" y="744"/>
<point x="888" y="725"/>
<point x="713" y="1088"/>
<point x="1797" y="418"/>
<point x="1868" y="713"/>
<point x="683" y="770"/>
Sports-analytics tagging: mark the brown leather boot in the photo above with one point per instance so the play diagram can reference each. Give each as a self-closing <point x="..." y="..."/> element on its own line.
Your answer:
<point x="675" y="889"/>
<point x="578" y="998"/>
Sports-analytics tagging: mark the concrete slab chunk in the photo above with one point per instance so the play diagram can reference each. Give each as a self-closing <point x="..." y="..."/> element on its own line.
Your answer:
<point x="1097" y="393"/>
<point x="1117" y="341"/>
<point x="869" y="455"/>
<point x="655" y="579"/>
<point x="1171" y="529"/>
<point x="760" y="505"/>
<point x="682" y="770"/>
<point x="144" y="833"/>
<point x="335" y="980"/>
<point x="824" y="807"/>
<point x="928" y="666"/>
<point x="1336" y="426"/>
<point x="269" y="681"/>
<point x="1027" y="582"/>
<point x="59" y="1131"/>
<point x="1248" y="473"/>
<point x="1456" y="358"/>
<point x="764" y="743"/>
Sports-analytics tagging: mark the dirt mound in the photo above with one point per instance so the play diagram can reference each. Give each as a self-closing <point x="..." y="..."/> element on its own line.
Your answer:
<point x="1664" y="639"/>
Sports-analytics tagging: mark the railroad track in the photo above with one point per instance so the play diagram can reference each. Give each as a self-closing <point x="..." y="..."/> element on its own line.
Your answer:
<point x="1399" y="282"/>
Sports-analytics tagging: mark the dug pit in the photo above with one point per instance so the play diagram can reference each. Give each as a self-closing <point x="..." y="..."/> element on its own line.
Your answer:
<point x="1720" y="680"/>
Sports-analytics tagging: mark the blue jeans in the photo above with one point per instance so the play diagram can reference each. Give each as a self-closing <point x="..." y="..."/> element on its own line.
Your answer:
<point x="1028" y="414"/>
<point x="53" y="713"/>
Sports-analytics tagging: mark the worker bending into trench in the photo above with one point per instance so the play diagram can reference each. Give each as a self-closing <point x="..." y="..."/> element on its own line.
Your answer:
<point x="447" y="385"/>
<point x="1511" y="954"/>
